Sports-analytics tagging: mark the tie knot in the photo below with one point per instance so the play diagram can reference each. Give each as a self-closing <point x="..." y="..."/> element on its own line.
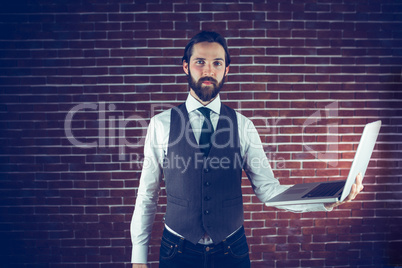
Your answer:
<point x="205" y="111"/>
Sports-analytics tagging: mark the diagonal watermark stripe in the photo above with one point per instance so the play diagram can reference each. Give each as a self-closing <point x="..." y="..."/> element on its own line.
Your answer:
<point x="330" y="155"/>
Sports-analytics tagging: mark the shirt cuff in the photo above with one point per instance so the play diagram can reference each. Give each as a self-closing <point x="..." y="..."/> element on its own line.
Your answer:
<point x="139" y="254"/>
<point x="327" y="209"/>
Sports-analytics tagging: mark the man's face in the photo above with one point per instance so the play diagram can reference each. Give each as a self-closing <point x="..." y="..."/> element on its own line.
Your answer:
<point x="206" y="70"/>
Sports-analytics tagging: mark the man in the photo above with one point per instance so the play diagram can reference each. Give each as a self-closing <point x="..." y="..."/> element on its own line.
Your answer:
<point x="202" y="146"/>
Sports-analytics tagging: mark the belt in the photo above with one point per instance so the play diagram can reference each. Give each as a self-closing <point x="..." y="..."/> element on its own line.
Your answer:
<point x="184" y="244"/>
<point x="205" y="240"/>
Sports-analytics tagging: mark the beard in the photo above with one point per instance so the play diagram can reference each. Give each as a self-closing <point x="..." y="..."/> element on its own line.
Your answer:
<point x="205" y="93"/>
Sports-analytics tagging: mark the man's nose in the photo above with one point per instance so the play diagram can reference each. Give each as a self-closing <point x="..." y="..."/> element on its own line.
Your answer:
<point x="208" y="70"/>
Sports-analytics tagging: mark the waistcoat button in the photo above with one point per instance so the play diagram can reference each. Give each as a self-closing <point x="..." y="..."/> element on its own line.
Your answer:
<point x="207" y="183"/>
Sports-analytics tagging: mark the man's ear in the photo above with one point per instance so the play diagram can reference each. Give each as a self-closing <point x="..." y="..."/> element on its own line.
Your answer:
<point x="185" y="67"/>
<point x="227" y="71"/>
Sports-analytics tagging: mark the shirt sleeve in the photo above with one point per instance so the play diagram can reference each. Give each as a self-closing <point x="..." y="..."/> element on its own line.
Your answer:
<point x="259" y="171"/>
<point x="148" y="194"/>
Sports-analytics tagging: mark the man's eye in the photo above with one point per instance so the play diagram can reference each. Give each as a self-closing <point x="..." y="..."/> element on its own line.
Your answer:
<point x="200" y="62"/>
<point x="218" y="63"/>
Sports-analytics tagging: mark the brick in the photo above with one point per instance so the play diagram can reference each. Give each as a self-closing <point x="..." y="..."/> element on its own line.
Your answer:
<point x="312" y="263"/>
<point x="262" y="248"/>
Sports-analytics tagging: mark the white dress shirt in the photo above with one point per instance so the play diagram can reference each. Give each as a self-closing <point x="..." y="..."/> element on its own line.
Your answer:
<point x="257" y="168"/>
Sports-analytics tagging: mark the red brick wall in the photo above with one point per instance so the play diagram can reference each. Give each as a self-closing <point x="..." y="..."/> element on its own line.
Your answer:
<point x="110" y="65"/>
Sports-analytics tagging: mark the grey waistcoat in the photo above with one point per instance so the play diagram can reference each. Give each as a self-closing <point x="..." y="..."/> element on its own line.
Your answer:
<point x="203" y="194"/>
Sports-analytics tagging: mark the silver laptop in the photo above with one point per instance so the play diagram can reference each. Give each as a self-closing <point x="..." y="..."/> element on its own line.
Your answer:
<point x="332" y="191"/>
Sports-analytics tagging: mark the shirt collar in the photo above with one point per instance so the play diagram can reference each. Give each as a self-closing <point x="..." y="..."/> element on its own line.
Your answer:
<point x="192" y="104"/>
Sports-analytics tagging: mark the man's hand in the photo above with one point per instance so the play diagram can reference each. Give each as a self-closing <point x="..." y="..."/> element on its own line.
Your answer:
<point x="357" y="187"/>
<point x="140" y="265"/>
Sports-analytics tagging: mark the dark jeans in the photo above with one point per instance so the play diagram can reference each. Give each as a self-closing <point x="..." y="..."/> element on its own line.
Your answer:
<point x="176" y="252"/>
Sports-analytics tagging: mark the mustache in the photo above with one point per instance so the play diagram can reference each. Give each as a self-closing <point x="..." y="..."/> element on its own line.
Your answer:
<point x="207" y="78"/>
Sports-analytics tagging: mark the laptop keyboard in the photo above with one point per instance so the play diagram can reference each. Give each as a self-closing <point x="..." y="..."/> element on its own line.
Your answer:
<point x="325" y="189"/>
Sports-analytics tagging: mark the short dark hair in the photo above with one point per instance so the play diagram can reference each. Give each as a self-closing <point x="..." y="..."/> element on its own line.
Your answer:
<point x="205" y="36"/>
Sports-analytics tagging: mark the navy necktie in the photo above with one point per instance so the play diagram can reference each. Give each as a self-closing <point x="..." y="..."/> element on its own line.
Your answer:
<point x="206" y="132"/>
